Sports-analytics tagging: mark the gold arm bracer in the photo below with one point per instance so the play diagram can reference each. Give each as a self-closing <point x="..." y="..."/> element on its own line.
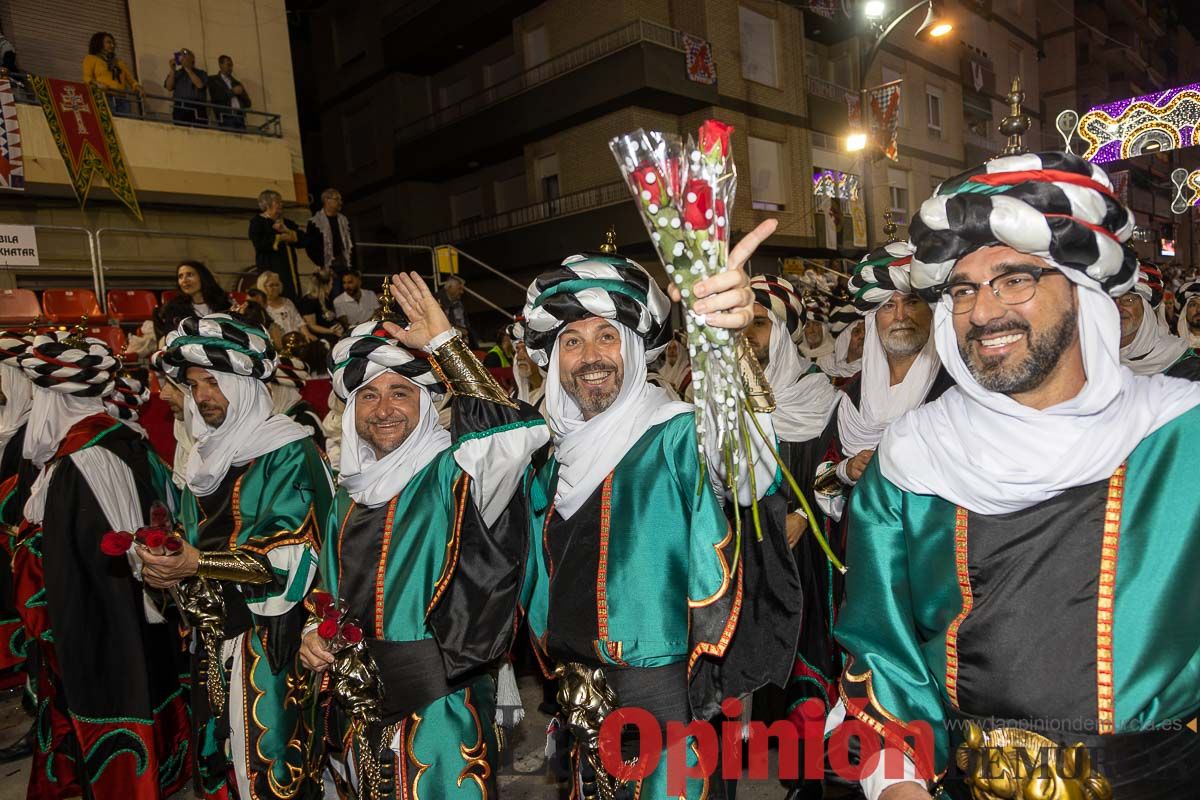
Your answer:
<point x="754" y="380"/>
<point x="462" y="373"/>
<point x="232" y="565"/>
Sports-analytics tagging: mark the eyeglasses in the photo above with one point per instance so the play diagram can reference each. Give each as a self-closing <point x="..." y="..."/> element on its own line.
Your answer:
<point x="1010" y="288"/>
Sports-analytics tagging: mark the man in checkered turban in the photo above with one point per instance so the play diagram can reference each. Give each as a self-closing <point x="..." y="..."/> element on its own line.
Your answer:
<point x="1188" y="325"/>
<point x="438" y="597"/>
<point x="1147" y="345"/>
<point x="625" y="480"/>
<point x="96" y="474"/>
<point x="1038" y="521"/>
<point x="815" y="341"/>
<point x="256" y="497"/>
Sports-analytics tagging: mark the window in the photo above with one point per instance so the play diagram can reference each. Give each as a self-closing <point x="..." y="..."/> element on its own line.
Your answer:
<point x="537" y="46"/>
<point x="758" y="47"/>
<point x="545" y="173"/>
<point x="510" y="194"/>
<point x="933" y="107"/>
<point x="889" y="76"/>
<point x="358" y="138"/>
<point x="498" y="72"/>
<point x="51" y="38"/>
<point x="466" y="206"/>
<point x="898" y="195"/>
<point x="452" y="93"/>
<point x="767" y="189"/>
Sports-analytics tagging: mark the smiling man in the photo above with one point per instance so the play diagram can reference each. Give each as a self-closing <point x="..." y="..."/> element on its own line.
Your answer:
<point x="1188" y="326"/>
<point x="256" y="493"/>
<point x="1022" y="549"/>
<point x="426" y="545"/>
<point x="635" y="571"/>
<point x="1147" y="345"/>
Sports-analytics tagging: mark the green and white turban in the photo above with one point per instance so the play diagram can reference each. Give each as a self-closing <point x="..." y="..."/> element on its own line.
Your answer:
<point x="595" y="285"/>
<point x="221" y="343"/>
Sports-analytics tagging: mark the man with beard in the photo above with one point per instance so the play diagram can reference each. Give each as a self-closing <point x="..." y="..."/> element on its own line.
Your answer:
<point x="804" y="404"/>
<point x="1188" y="326"/>
<point x="426" y="547"/>
<point x="16" y="477"/>
<point x="111" y="713"/>
<point x="636" y="576"/>
<point x="1022" y="548"/>
<point x="257" y="494"/>
<point x="900" y="368"/>
<point x="1147" y="345"/>
<point x="174" y="396"/>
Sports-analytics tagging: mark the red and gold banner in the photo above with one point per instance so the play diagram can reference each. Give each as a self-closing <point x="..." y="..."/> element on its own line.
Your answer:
<point x="83" y="129"/>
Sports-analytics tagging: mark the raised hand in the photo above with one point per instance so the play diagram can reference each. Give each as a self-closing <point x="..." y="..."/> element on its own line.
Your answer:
<point x="725" y="300"/>
<point x="425" y="316"/>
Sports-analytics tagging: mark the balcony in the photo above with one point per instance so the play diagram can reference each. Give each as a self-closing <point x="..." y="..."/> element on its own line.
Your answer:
<point x="827" y="110"/>
<point x="219" y="165"/>
<point x="641" y="63"/>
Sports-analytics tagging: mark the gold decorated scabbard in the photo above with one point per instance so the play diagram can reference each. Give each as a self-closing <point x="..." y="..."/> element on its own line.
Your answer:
<point x="232" y="565"/>
<point x="754" y="380"/>
<point x="1017" y="764"/>
<point x="464" y="375"/>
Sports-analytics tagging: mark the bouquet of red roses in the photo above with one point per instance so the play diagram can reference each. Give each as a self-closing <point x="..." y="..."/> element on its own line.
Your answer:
<point x="158" y="537"/>
<point x="336" y="627"/>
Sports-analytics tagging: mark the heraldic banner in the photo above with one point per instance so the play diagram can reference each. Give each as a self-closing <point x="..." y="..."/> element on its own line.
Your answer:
<point x="12" y="165"/>
<point x="83" y="129"/>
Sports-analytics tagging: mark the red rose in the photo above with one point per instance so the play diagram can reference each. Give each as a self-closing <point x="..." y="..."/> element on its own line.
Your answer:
<point x="697" y="204"/>
<point x="322" y="601"/>
<point x="722" y="221"/>
<point x="712" y="133"/>
<point x="331" y="612"/>
<point x="327" y="629"/>
<point x="116" y="543"/>
<point x="160" y="517"/>
<point x="173" y="544"/>
<point x="675" y="172"/>
<point x="649" y="181"/>
<point x="152" y="538"/>
<point x="352" y="633"/>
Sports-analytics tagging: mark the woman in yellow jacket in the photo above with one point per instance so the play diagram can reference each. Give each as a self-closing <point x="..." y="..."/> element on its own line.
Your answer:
<point x="101" y="67"/>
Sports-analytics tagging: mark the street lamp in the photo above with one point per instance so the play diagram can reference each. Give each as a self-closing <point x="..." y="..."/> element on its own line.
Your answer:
<point x="856" y="141"/>
<point x="874" y="9"/>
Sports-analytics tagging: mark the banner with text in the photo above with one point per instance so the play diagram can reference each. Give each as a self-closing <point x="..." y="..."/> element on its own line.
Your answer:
<point x="18" y="246"/>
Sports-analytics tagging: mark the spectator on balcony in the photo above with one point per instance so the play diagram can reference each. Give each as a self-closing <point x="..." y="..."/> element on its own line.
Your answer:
<point x="102" y="68"/>
<point x="254" y="310"/>
<point x="199" y="294"/>
<point x="275" y="240"/>
<point x="329" y="241"/>
<point x="450" y="296"/>
<point x="188" y="84"/>
<point x="318" y="310"/>
<point x="227" y="91"/>
<point x="8" y="55"/>
<point x="355" y="305"/>
<point x="282" y="310"/>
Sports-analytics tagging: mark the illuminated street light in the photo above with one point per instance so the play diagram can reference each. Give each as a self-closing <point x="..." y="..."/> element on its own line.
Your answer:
<point x="874" y="9"/>
<point x="936" y="24"/>
<point x="856" y="142"/>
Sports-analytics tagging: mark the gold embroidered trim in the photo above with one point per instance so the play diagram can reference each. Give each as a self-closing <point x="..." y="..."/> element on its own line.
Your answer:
<point x="1105" y="596"/>
<point x="968" y="602"/>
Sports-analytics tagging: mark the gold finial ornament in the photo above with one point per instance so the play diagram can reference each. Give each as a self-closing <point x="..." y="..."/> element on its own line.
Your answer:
<point x="78" y="335"/>
<point x="1016" y="123"/>
<point x="384" y="313"/>
<point x="289" y="344"/>
<point x="610" y="241"/>
<point x="889" y="227"/>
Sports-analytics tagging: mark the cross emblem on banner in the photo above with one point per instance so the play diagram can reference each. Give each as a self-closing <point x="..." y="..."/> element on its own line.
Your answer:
<point x="73" y="103"/>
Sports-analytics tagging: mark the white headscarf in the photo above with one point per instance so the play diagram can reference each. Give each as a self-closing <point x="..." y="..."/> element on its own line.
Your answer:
<point x="18" y="396"/>
<point x="588" y="450"/>
<point x="821" y="350"/>
<point x="526" y="393"/>
<point x="1153" y="349"/>
<point x="51" y="417"/>
<point x="283" y="397"/>
<point x="373" y="481"/>
<point x="986" y="452"/>
<point x="250" y="430"/>
<point x="803" y="403"/>
<point x="1182" y="328"/>
<point x="835" y="364"/>
<point x="879" y="403"/>
<point x="675" y="373"/>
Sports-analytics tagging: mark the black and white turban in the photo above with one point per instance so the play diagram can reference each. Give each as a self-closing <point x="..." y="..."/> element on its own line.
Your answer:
<point x="55" y="361"/>
<point x="13" y="345"/>
<point x="127" y="398"/>
<point x="1189" y="291"/>
<point x="842" y="316"/>
<point x="221" y="343"/>
<point x="1149" y="283"/>
<point x="815" y="309"/>
<point x="367" y="352"/>
<point x="291" y="371"/>
<point x="882" y="272"/>
<point x="778" y="296"/>
<point x="516" y="330"/>
<point x="1052" y="205"/>
<point x="595" y="285"/>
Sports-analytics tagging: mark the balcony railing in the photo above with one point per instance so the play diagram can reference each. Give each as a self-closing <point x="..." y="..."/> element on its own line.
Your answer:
<point x="634" y="33"/>
<point x="160" y="108"/>
<point x="575" y="203"/>
<point x="826" y="89"/>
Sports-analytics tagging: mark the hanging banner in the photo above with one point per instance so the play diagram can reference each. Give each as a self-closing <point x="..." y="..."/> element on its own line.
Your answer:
<point x="1151" y="123"/>
<point x="700" y="66"/>
<point x="82" y="127"/>
<point x="12" y="166"/>
<point x="18" y="246"/>
<point x="883" y="109"/>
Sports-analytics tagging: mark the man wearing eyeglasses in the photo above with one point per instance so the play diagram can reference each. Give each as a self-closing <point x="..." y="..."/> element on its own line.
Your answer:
<point x="1021" y="550"/>
<point x="1147" y="345"/>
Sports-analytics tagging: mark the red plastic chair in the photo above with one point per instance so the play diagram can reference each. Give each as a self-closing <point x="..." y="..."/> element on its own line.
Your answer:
<point x="131" y="305"/>
<point x="168" y="295"/>
<point x="18" y="307"/>
<point x="68" y="305"/>
<point x="237" y="298"/>
<point x="112" y="335"/>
